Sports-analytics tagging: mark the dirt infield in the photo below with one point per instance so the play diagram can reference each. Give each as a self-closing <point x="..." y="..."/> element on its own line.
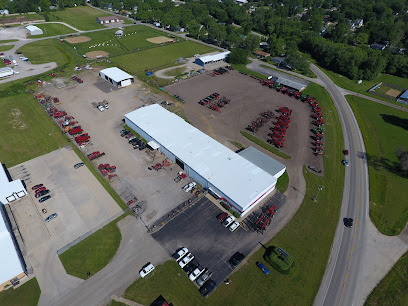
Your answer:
<point x="77" y="39"/>
<point x="159" y="39"/>
<point x="96" y="54"/>
<point x="393" y="93"/>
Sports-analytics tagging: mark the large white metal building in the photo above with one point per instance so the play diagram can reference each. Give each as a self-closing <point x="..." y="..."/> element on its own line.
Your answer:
<point x="5" y="72"/>
<point x="223" y="172"/>
<point x="212" y="58"/>
<point x="33" y="30"/>
<point x="11" y="265"/>
<point x="116" y="77"/>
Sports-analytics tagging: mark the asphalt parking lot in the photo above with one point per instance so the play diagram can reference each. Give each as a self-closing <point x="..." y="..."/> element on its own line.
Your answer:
<point x="212" y="244"/>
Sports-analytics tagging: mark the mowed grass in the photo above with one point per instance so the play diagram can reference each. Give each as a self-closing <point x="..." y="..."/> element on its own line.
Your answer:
<point x="388" y="190"/>
<point x="22" y="17"/>
<point x="6" y="48"/>
<point x="308" y="237"/>
<point x="393" y="289"/>
<point x="159" y="57"/>
<point x="283" y="183"/>
<point x="7" y="41"/>
<point x="53" y="29"/>
<point x="135" y="37"/>
<point x="80" y="17"/>
<point x="26" y="130"/>
<point x="27" y="294"/>
<point x="94" y="252"/>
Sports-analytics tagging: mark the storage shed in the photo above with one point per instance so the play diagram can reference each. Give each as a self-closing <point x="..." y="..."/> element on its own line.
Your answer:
<point x="5" y="72"/>
<point x="108" y="19"/>
<point x="213" y="58"/>
<point x="117" y="77"/>
<point x="224" y="173"/>
<point x="33" y="30"/>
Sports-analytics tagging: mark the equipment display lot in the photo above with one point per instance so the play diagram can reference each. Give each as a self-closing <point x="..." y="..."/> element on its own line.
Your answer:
<point x="248" y="99"/>
<point x="198" y="229"/>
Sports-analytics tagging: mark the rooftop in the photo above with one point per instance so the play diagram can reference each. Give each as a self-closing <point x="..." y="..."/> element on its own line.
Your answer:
<point x="263" y="161"/>
<point x="116" y="74"/>
<point x="32" y="28"/>
<point x="214" y="57"/>
<point x="109" y="18"/>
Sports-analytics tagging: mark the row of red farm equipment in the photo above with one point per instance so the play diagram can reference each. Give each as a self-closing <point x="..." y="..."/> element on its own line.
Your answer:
<point x="161" y="165"/>
<point x="259" y="122"/>
<point x="278" y="130"/>
<point x="281" y="88"/>
<point x="107" y="170"/>
<point x="215" y="101"/>
<point x="221" y="71"/>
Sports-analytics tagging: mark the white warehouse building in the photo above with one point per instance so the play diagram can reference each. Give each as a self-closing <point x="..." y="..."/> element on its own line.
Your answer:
<point x="212" y="58"/>
<point x="224" y="173"/>
<point x="116" y="77"/>
<point x="33" y="30"/>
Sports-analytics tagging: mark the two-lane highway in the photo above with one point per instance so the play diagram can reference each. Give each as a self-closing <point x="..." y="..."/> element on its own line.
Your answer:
<point x="342" y="277"/>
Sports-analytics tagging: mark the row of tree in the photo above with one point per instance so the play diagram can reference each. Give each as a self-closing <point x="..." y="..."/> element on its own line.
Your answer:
<point x="25" y="6"/>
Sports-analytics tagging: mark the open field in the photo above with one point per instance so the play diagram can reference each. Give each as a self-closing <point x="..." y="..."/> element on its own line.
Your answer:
<point x="90" y="255"/>
<point x="159" y="40"/>
<point x="393" y="289"/>
<point x="80" y="17"/>
<point x="52" y="29"/>
<point x="30" y="132"/>
<point x="7" y="41"/>
<point x="384" y="131"/>
<point x="27" y="294"/>
<point x="159" y="57"/>
<point x="310" y="244"/>
<point x="6" y="48"/>
<point x="19" y="18"/>
<point x="283" y="183"/>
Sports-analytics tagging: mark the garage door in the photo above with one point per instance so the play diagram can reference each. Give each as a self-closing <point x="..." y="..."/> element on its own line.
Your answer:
<point x="126" y="83"/>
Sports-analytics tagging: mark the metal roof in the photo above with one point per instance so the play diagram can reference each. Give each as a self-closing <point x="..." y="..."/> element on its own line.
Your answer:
<point x="32" y="28"/>
<point x="237" y="178"/>
<point x="116" y="74"/>
<point x="214" y="57"/>
<point x="263" y="161"/>
<point x="5" y="71"/>
<point x="292" y="84"/>
<point x="404" y="95"/>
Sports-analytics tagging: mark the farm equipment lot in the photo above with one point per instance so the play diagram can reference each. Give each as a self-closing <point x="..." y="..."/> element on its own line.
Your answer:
<point x="80" y="202"/>
<point x="156" y="189"/>
<point x="248" y="100"/>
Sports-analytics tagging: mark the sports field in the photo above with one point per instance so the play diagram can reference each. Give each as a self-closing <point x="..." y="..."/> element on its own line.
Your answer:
<point x="159" y="57"/>
<point x="27" y="131"/>
<point x="384" y="129"/>
<point x="53" y="29"/>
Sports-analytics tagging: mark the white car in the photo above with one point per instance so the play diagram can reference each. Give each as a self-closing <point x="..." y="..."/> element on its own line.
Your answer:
<point x="228" y="221"/>
<point x="148" y="268"/>
<point x="196" y="273"/>
<point x="101" y="108"/>
<point x="180" y="254"/>
<point x="190" y="186"/>
<point x="106" y="106"/>
<point x="77" y="68"/>
<point x="234" y="226"/>
<point x="186" y="259"/>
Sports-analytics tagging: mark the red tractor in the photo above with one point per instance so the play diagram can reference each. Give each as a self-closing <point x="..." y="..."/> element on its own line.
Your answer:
<point x="82" y="138"/>
<point x="75" y="130"/>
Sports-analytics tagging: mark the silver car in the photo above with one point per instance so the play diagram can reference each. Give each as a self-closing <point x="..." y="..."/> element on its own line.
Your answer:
<point x="201" y="280"/>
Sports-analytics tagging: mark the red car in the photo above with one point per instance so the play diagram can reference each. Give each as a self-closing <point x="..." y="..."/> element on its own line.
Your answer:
<point x="37" y="186"/>
<point x="222" y="216"/>
<point x="40" y="189"/>
<point x="346" y="152"/>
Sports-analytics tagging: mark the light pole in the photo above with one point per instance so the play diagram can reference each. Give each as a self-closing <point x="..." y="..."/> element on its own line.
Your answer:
<point x="319" y="188"/>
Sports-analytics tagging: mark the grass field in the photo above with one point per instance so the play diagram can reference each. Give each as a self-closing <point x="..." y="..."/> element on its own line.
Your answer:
<point x="302" y="238"/>
<point x="264" y="145"/>
<point x="243" y="68"/>
<point x="387" y="188"/>
<point x="52" y="29"/>
<point x="94" y="252"/>
<point x="116" y="303"/>
<point x="6" y="48"/>
<point x="159" y="57"/>
<point x="80" y="17"/>
<point x="27" y="131"/>
<point x="7" y="41"/>
<point x="6" y="18"/>
<point x="27" y="294"/>
<point x="393" y="289"/>
<point x="283" y="183"/>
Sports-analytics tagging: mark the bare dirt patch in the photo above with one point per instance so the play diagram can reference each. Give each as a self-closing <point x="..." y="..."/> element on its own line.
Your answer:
<point x="16" y="121"/>
<point x="96" y="54"/>
<point x="77" y="39"/>
<point x="393" y="93"/>
<point x="159" y="39"/>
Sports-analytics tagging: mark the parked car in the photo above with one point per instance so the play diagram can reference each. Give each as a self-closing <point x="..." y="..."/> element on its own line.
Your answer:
<point x="208" y="287"/>
<point x="44" y="198"/>
<point x="40" y="189"/>
<point x="189" y="186"/>
<point x="348" y="222"/>
<point x="186" y="259"/>
<point x="191" y="266"/>
<point x="76" y="166"/>
<point x="236" y="259"/>
<point x="234" y="226"/>
<point x="180" y="254"/>
<point x="345" y="162"/>
<point x="222" y="216"/>
<point x="346" y="152"/>
<point x="42" y="193"/>
<point x="196" y="273"/>
<point x="50" y="217"/>
<point x="228" y="221"/>
<point x="203" y="277"/>
<point x="146" y="269"/>
<point x="123" y="133"/>
<point x="37" y="186"/>
<point x="262" y="267"/>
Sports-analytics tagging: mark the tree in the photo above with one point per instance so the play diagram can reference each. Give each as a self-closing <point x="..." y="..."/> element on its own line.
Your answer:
<point x="237" y="56"/>
<point x="251" y="43"/>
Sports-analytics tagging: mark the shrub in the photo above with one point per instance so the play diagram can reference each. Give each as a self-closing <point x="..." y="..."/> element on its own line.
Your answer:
<point x="236" y="214"/>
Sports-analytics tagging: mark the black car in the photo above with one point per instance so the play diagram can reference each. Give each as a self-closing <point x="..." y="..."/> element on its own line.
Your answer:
<point x="37" y="186"/>
<point x="133" y="141"/>
<point x="207" y="288"/>
<point x="236" y="259"/>
<point x="123" y="133"/>
<point x="348" y="222"/>
<point x="42" y="193"/>
<point x="142" y="147"/>
<point x="191" y="266"/>
<point x="44" y="198"/>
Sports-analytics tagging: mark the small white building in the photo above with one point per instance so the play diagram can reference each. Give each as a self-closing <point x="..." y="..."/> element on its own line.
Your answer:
<point x="33" y="30"/>
<point x="213" y="58"/>
<point x="4" y="12"/>
<point x="108" y="19"/>
<point x="6" y="72"/>
<point x="119" y="33"/>
<point x="116" y="77"/>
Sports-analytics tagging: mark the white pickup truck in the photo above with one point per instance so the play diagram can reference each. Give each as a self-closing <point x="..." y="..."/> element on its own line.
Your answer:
<point x="189" y="187"/>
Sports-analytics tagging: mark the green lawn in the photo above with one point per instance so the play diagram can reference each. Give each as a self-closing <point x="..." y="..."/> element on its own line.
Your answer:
<point x="27" y="294"/>
<point x="387" y="188"/>
<point x="393" y="289"/>
<point x="94" y="252"/>
<point x="6" y="48"/>
<point x="159" y="57"/>
<point x="283" y="183"/>
<point x="7" y="41"/>
<point x="135" y="37"/>
<point x="53" y="29"/>
<point x="363" y="88"/>
<point x="264" y="145"/>
<point x="308" y="237"/>
<point x="27" y="130"/>
<point x="243" y="68"/>
<point x="176" y="71"/>
<point x="27" y="16"/>
<point x="116" y="303"/>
